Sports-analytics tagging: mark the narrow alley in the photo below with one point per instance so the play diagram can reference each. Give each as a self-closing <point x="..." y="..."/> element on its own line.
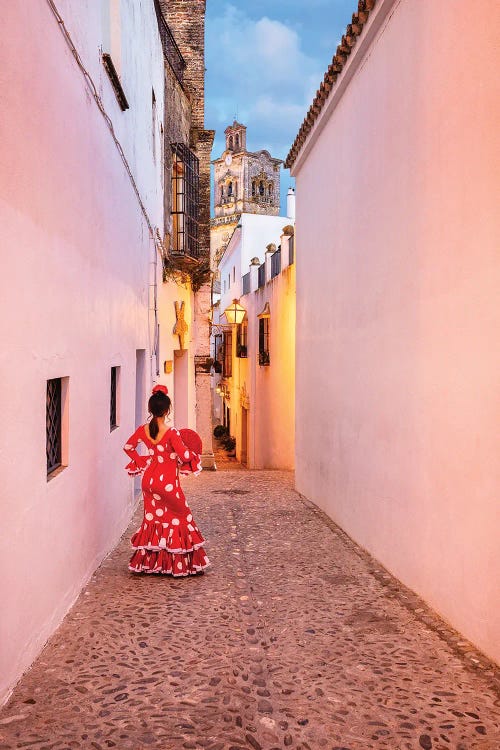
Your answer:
<point x="294" y="638"/>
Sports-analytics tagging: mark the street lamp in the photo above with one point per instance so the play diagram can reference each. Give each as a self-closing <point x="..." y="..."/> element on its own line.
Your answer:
<point x="235" y="313"/>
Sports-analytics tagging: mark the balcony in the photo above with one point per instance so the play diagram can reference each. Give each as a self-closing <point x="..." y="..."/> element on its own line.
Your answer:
<point x="171" y="51"/>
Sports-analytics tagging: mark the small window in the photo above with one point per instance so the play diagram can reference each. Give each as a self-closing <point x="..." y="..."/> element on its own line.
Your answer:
<point x="234" y="274"/>
<point x="227" y="368"/>
<point x="264" y="359"/>
<point x="261" y="188"/>
<point x="230" y="142"/>
<point x="254" y="187"/>
<point x="237" y="142"/>
<point x="230" y="188"/>
<point x="185" y="201"/>
<point x="229" y="281"/>
<point x="56" y="420"/>
<point x="242" y="342"/>
<point x="113" y="398"/>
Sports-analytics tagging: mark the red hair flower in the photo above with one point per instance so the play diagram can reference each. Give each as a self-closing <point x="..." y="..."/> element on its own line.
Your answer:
<point x="160" y="388"/>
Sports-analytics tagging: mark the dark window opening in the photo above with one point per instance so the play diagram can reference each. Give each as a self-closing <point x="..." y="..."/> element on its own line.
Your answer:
<point x="264" y="358"/>
<point x="113" y="397"/>
<point x="54" y="425"/>
<point x="185" y="201"/>
<point x="227" y="368"/>
<point x="242" y="341"/>
<point x="261" y="188"/>
<point x="237" y="142"/>
<point x="253" y="187"/>
<point x="230" y="142"/>
<point x="230" y="188"/>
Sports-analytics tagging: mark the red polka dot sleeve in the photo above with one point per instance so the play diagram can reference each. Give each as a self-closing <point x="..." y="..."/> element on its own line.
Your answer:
<point x="138" y="462"/>
<point x="190" y="462"/>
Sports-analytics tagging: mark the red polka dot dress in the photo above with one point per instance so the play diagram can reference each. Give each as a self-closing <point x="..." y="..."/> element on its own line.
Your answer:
<point x="168" y="541"/>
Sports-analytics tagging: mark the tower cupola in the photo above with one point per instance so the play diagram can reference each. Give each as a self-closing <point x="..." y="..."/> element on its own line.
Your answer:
<point x="236" y="137"/>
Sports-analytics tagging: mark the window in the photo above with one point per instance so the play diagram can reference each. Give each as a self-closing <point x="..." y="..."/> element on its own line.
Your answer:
<point x="261" y="188"/>
<point x="270" y="188"/>
<point x="56" y="421"/>
<point x="227" y="367"/>
<point x="185" y="201"/>
<point x="242" y="342"/>
<point x="237" y="142"/>
<point x="230" y="142"/>
<point x="113" y="398"/>
<point x="112" y="48"/>
<point x="229" y="281"/>
<point x="254" y="187"/>
<point x="230" y="188"/>
<point x="234" y="274"/>
<point x="264" y="342"/>
<point x="264" y="335"/>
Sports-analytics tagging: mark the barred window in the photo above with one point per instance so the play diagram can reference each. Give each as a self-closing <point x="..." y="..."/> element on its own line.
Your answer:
<point x="242" y="342"/>
<point x="113" y="398"/>
<point x="264" y="358"/>
<point x="53" y="425"/>
<point x="185" y="201"/>
<point x="227" y="369"/>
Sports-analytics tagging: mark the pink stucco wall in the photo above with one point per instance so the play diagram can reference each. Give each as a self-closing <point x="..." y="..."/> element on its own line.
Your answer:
<point x="75" y="285"/>
<point x="397" y="308"/>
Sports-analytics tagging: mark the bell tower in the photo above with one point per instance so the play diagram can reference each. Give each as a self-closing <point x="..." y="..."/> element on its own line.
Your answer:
<point x="244" y="182"/>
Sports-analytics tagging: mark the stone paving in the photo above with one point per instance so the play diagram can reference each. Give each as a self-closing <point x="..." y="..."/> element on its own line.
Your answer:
<point x="294" y="639"/>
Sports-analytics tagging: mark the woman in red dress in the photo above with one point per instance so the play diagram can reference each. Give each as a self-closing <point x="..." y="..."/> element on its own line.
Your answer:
<point x="168" y="541"/>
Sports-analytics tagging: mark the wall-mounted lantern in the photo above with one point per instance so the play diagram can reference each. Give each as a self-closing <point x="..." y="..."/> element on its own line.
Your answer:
<point x="235" y="313"/>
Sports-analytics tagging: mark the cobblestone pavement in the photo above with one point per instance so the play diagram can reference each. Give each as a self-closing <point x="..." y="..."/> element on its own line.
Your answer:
<point x="294" y="639"/>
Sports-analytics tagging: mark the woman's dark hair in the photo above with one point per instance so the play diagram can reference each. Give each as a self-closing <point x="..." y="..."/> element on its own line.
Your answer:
<point x="158" y="405"/>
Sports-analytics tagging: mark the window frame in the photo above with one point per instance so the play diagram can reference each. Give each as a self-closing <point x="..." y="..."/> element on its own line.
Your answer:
<point x="185" y="201"/>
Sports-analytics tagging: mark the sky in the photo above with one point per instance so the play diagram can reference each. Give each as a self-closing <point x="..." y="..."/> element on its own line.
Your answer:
<point x="265" y="59"/>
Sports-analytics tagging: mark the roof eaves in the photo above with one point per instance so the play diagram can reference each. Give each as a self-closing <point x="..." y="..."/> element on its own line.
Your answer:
<point x="348" y="41"/>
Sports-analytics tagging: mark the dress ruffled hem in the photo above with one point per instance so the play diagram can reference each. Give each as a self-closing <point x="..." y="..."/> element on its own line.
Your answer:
<point x="163" y="562"/>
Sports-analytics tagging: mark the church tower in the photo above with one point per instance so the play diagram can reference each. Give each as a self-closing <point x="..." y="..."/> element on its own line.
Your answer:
<point x="244" y="182"/>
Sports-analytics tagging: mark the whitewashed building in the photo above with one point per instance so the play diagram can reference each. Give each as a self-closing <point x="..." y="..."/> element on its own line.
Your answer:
<point x="397" y="301"/>
<point x="89" y="322"/>
<point x="255" y="388"/>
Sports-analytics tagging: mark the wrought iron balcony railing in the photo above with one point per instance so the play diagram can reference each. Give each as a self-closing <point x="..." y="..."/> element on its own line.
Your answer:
<point x="171" y="51"/>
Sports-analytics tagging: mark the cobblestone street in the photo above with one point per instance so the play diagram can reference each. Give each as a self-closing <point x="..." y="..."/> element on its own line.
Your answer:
<point x="293" y="639"/>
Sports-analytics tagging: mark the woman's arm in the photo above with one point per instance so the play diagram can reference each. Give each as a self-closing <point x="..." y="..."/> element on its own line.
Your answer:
<point x="190" y="462"/>
<point x="138" y="463"/>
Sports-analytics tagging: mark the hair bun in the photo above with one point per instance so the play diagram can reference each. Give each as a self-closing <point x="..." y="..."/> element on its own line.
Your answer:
<point x="160" y="389"/>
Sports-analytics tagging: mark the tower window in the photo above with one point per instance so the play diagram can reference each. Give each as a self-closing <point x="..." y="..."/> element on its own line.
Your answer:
<point x="237" y="142"/>
<point x="270" y="188"/>
<point x="230" y="188"/>
<point x="185" y="201"/>
<point x="230" y="146"/>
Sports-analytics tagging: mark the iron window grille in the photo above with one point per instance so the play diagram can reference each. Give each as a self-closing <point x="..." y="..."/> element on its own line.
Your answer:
<point x="171" y="51"/>
<point x="185" y="201"/>
<point x="227" y="367"/>
<point x="264" y="359"/>
<point x="53" y="425"/>
<point x="242" y="340"/>
<point x="246" y="283"/>
<point x="291" y="250"/>
<point x="113" y="418"/>
<point x="276" y="263"/>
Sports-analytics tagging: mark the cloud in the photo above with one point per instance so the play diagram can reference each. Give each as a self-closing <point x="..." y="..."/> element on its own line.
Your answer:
<point x="258" y="71"/>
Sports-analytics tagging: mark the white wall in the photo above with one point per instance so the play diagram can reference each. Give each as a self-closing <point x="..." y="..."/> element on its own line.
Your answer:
<point x="75" y="291"/>
<point x="397" y="314"/>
